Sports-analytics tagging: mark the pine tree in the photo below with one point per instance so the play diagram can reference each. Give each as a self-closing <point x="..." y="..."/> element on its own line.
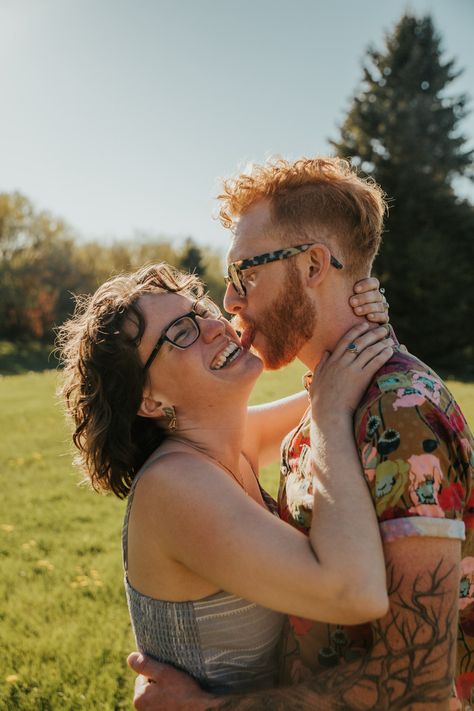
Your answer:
<point x="192" y="259"/>
<point x="403" y="129"/>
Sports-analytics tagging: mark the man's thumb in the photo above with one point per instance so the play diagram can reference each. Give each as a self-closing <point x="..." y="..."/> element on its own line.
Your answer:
<point x="142" y="664"/>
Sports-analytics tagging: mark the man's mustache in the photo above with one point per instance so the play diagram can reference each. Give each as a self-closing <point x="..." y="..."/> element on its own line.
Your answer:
<point x="240" y="324"/>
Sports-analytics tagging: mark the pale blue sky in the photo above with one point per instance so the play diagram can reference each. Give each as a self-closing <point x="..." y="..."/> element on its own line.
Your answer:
<point x="120" y="115"/>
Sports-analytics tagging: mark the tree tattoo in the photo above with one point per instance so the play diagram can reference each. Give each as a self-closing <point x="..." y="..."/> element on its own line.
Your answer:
<point x="410" y="665"/>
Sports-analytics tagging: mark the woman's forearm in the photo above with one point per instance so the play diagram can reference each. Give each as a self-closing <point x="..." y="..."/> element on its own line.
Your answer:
<point x="344" y="532"/>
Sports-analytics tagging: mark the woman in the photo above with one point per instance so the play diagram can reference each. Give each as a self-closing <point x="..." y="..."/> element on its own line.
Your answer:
<point x="157" y="384"/>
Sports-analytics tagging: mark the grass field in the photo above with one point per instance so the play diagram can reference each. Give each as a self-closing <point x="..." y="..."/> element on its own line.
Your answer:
<point x="64" y="628"/>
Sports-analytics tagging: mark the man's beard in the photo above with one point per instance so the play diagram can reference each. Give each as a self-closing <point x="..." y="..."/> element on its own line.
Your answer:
<point x="286" y="325"/>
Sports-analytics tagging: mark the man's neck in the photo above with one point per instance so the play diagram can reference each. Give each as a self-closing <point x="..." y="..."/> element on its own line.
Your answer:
<point x="328" y="332"/>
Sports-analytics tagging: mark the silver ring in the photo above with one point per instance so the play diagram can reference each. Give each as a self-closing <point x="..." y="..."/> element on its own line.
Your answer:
<point x="382" y="290"/>
<point x="352" y="348"/>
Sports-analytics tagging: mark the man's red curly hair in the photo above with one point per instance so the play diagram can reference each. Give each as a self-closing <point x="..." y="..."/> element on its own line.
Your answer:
<point x="320" y="199"/>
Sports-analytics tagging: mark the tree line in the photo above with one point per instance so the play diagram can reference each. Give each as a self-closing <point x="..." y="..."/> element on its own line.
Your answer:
<point x="402" y="128"/>
<point x="43" y="264"/>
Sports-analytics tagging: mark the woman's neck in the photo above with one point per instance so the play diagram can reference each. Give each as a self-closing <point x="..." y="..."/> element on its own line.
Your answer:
<point x="222" y="440"/>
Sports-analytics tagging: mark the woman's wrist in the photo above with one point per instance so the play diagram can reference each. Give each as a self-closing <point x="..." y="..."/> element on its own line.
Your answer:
<point x="328" y="420"/>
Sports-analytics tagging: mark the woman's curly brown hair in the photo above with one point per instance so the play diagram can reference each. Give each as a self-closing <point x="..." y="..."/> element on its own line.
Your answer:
<point x="104" y="379"/>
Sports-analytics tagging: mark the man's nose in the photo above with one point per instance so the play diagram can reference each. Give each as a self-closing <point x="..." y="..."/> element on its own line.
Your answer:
<point x="233" y="302"/>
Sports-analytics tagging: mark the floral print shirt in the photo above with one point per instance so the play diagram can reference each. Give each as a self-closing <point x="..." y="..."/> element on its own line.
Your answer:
<point x="417" y="455"/>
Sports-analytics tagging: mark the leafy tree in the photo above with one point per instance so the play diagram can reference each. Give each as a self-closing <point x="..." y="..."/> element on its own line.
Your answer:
<point x="42" y="265"/>
<point x="403" y="129"/>
<point x="35" y="268"/>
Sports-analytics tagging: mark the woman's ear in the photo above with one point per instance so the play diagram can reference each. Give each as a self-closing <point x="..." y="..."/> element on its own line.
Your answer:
<point x="151" y="408"/>
<point x="156" y="410"/>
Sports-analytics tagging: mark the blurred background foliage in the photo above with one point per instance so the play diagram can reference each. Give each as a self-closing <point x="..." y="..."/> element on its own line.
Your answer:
<point x="42" y="264"/>
<point x="403" y="128"/>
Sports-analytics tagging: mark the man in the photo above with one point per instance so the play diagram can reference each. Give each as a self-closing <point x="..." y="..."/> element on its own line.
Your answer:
<point x="303" y="232"/>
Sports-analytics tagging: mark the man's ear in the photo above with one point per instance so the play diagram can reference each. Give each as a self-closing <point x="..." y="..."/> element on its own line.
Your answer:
<point x="151" y="408"/>
<point x="318" y="264"/>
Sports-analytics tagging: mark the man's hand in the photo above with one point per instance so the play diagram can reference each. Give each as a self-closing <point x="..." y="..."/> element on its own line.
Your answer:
<point x="160" y="687"/>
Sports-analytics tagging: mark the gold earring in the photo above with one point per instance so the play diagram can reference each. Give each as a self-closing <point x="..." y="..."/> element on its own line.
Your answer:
<point x="170" y="413"/>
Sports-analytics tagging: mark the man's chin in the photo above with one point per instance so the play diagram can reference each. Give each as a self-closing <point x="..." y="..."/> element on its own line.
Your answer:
<point x="271" y="361"/>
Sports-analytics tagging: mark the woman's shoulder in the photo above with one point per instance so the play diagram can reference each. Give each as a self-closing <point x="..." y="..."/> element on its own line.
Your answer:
<point x="163" y="463"/>
<point x="173" y="473"/>
<point x="178" y="488"/>
<point x="164" y="488"/>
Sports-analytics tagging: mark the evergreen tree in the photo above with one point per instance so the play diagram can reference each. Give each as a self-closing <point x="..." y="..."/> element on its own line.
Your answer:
<point x="192" y="258"/>
<point x="207" y="265"/>
<point x="403" y="130"/>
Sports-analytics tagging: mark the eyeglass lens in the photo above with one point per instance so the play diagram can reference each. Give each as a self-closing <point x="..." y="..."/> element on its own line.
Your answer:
<point x="183" y="332"/>
<point x="236" y="280"/>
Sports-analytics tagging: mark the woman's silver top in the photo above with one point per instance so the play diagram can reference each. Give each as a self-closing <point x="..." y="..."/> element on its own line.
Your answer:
<point x="226" y="643"/>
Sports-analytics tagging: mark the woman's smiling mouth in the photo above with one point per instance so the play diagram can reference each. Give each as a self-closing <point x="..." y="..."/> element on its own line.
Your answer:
<point x="229" y="354"/>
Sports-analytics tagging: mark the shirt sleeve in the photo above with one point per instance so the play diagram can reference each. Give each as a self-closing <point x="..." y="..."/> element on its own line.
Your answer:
<point x="410" y="452"/>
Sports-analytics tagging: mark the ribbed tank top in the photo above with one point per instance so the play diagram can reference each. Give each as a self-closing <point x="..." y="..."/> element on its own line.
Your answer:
<point x="228" y="644"/>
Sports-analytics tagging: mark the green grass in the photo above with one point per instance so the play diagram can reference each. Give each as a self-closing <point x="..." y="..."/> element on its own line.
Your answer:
<point x="64" y="628"/>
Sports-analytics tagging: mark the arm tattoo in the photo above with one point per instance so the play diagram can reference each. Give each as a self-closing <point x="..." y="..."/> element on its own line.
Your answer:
<point x="409" y="666"/>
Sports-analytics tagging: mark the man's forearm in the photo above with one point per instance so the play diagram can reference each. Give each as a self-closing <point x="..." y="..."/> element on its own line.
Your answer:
<point x="291" y="698"/>
<point x="410" y="665"/>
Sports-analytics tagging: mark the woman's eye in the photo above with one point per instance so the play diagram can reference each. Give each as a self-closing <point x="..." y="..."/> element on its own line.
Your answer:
<point x="182" y="334"/>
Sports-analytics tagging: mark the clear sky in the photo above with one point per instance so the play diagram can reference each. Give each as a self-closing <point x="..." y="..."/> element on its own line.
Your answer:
<point x="121" y="115"/>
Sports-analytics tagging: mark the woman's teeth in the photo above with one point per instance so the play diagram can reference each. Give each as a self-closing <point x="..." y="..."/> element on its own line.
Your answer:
<point x="229" y="354"/>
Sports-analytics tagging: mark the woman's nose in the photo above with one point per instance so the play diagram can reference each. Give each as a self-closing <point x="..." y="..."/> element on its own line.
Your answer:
<point x="211" y="327"/>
